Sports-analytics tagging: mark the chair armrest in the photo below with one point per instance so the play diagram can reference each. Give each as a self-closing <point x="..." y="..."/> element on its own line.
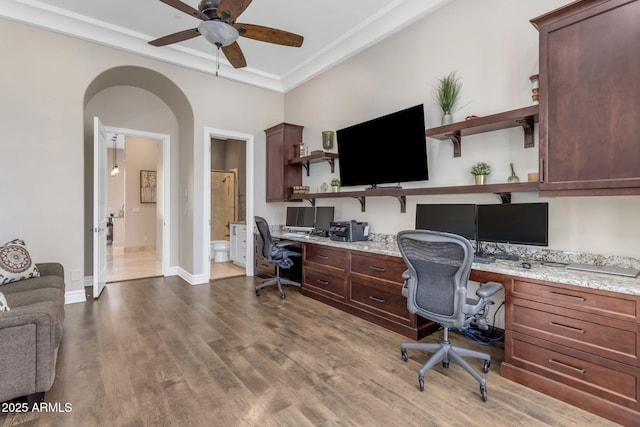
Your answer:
<point x="284" y="244"/>
<point x="50" y="269"/>
<point x="489" y="289"/>
<point x="405" y="287"/>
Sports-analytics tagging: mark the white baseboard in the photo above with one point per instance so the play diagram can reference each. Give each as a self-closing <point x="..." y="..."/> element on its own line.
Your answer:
<point x="73" y="297"/>
<point x="192" y="279"/>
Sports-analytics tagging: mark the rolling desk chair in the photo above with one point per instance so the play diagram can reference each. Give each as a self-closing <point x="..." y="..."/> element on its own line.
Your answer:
<point x="436" y="289"/>
<point x="275" y="254"/>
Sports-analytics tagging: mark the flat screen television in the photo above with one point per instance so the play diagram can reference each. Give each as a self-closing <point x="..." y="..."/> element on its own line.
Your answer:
<point x="518" y="223"/>
<point x="451" y="218"/>
<point x="388" y="149"/>
<point x="300" y="218"/>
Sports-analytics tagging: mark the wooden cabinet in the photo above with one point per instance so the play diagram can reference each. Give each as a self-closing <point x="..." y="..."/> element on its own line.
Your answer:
<point x="576" y="344"/>
<point x="238" y="244"/>
<point x="590" y="98"/>
<point x="366" y="285"/>
<point x="283" y="144"/>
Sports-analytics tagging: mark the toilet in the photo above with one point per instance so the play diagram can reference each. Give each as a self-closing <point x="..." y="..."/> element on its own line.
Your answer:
<point x="220" y="250"/>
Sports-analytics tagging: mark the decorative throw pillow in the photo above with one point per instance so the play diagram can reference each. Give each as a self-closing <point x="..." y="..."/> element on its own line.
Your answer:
<point x="3" y="303"/>
<point x="15" y="263"/>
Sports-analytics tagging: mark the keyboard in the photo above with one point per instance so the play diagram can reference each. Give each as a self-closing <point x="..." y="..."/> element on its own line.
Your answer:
<point x="299" y="235"/>
<point x="620" y="271"/>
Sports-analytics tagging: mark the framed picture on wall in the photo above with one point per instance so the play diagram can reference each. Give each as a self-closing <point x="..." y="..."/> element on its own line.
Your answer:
<point x="148" y="184"/>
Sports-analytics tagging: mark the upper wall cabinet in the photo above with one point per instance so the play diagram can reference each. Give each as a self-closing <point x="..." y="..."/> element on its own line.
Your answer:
<point x="283" y="144"/>
<point x="590" y="98"/>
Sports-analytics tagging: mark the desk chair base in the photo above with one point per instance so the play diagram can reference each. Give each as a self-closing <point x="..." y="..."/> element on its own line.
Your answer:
<point x="444" y="352"/>
<point x="278" y="281"/>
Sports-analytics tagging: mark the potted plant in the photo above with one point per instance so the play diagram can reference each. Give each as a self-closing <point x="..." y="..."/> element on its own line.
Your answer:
<point x="335" y="185"/>
<point x="447" y="94"/>
<point x="480" y="171"/>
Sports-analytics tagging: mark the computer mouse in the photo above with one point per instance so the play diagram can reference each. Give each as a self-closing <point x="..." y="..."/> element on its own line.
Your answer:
<point x="526" y="265"/>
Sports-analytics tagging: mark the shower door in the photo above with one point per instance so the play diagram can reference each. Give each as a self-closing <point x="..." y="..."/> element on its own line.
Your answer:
<point x="223" y="203"/>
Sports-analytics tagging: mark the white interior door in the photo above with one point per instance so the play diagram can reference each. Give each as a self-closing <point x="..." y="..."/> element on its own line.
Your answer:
<point x="99" y="207"/>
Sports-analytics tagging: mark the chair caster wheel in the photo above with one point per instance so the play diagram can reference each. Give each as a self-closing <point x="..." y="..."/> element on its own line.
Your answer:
<point x="257" y="293"/>
<point x="483" y="393"/>
<point x="282" y="296"/>
<point x="421" y="383"/>
<point x="485" y="367"/>
<point x="445" y="364"/>
<point x="405" y="356"/>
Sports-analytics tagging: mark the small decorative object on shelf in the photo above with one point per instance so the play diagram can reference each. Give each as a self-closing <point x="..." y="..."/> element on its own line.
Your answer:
<point x="535" y="88"/>
<point x="447" y="94"/>
<point x="327" y="139"/>
<point x="324" y="187"/>
<point x="302" y="152"/>
<point x="513" y="177"/>
<point x="480" y="171"/>
<point x="335" y="185"/>
<point x="300" y="189"/>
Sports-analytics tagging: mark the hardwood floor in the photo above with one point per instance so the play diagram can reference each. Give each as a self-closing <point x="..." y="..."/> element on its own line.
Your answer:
<point x="161" y="352"/>
<point x="123" y="265"/>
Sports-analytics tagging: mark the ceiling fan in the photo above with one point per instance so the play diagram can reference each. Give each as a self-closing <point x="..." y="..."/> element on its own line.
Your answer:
<point x="219" y="27"/>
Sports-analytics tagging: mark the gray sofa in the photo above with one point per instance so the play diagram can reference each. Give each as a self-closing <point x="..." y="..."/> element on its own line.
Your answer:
<point x="31" y="333"/>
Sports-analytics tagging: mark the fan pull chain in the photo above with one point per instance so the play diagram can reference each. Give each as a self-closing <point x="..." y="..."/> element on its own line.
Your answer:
<point x="217" y="60"/>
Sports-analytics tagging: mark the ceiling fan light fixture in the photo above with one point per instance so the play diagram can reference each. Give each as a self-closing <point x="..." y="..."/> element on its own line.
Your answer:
<point x="217" y="32"/>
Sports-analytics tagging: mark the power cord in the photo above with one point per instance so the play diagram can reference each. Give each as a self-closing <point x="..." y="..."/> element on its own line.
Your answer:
<point x="478" y="337"/>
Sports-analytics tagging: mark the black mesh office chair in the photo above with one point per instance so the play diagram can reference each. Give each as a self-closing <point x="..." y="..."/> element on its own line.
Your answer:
<point x="436" y="289"/>
<point x="278" y="254"/>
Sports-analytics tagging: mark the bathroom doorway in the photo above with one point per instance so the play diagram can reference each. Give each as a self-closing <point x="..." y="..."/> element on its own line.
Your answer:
<point x="228" y="206"/>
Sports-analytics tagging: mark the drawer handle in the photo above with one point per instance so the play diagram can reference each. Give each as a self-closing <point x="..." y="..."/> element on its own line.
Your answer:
<point x="380" y="269"/>
<point x="322" y="256"/>
<point x="568" y="296"/>
<point x="571" y="328"/>
<point x="573" y="368"/>
<point x="376" y="299"/>
<point x="322" y="282"/>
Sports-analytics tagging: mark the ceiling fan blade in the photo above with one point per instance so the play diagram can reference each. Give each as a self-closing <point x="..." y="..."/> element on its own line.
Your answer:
<point x="175" y="37"/>
<point x="269" y="35"/>
<point x="177" y="4"/>
<point x="229" y="10"/>
<point x="234" y="55"/>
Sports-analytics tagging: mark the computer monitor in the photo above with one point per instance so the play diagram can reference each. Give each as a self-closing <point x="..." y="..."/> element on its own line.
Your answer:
<point x="324" y="218"/>
<point x="300" y="218"/>
<point x="517" y="223"/>
<point x="451" y="218"/>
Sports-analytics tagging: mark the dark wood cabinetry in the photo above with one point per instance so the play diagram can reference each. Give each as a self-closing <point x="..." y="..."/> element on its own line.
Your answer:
<point x="283" y="144"/>
<point x="590" y="98"/>
<point x="363" y="284"/>
<point x="579" y="345"/>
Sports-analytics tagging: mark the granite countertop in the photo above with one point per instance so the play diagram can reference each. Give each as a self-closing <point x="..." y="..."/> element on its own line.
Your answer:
<point x="538" y="271"/>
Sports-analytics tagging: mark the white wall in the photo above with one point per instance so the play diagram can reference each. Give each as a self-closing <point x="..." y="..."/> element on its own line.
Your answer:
<point x="494" y="49"/>
<point x="42" y="161"/>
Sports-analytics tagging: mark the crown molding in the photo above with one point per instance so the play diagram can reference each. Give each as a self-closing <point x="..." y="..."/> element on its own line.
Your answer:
<point x="397" y="15"/>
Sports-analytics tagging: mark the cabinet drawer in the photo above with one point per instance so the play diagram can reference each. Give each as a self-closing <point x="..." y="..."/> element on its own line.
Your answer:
<point x="620" y="306"/>
<point x="615" y="382"/>
<point x="379" y="266"/>
<point x="382" y="298"/>
<point x="610" y="338"/>
<point x="326" y="256"/>
<point x="322" y="282"/>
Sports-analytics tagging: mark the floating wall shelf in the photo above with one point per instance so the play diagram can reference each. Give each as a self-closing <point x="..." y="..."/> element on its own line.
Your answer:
<point x="315" y="157"/>
<point x="502" y="190"/>
<point x="523" y="117"/>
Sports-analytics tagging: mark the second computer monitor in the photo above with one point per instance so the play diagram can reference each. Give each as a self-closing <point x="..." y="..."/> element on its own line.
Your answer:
<point x="300" y="218"/>
<point x="324" y="217"/>
<point x="451" y="218"/>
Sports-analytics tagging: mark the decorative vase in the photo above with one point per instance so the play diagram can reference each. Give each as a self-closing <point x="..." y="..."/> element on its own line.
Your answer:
<point x="447" y="118"/>
<point x="480" y="179"/>
<point x="327" y="139"/>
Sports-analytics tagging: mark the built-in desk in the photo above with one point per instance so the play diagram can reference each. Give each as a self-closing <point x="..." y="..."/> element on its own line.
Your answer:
<point x="569" y="334"/>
